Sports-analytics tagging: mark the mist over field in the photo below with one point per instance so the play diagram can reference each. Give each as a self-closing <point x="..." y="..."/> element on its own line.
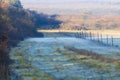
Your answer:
<point x="73" y="6"/>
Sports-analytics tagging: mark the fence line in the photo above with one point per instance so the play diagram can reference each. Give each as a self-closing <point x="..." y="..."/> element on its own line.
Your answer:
<point x="104" y="40"/>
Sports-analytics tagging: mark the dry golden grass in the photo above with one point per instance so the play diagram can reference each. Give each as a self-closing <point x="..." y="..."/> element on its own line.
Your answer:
<point x="89" y="21"/>
<point x="94" y="56"/>
<point x="109" y="33"/>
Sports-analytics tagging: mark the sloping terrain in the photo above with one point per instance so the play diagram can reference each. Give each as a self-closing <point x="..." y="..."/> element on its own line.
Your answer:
<point x="54" y="62"/>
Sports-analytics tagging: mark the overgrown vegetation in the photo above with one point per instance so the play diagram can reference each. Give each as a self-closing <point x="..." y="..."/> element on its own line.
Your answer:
<point x="20" y="23"/>
<point x="4" y="58"/>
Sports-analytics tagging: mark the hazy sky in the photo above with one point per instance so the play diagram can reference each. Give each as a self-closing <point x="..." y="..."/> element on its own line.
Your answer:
<point x="69" y="6"/>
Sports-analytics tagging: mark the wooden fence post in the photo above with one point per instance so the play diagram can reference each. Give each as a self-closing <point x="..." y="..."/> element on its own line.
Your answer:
<point x="79" y="34"/>
<point x="93" y="37"/>
<point x="112" y="40"/>
<point x="107" y="39"/>
<point x="90" y="36"/>
<point x="85" y="35"/>
<point x="98" y="36"/>
<point x="101" y="38"/>
<point x="82" y="34"/>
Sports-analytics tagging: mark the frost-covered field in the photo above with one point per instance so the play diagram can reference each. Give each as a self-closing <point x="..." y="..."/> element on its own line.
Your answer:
<point x="47" y="59"/>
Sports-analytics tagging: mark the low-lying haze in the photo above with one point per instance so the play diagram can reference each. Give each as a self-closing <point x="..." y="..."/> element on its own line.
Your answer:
<point x="73" y="6"/>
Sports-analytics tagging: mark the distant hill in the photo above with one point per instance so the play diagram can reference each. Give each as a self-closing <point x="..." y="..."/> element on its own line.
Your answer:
<point x="89" y="22"/>
<point x="80" y="14"/>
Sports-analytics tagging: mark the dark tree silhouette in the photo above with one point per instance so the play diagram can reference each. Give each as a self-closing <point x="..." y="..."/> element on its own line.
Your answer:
<point x="4" y="58"/>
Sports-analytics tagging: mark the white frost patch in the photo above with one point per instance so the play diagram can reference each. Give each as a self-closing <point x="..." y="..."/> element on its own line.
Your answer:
<point x="75" y="42"/>
<point x="44" y="54"/>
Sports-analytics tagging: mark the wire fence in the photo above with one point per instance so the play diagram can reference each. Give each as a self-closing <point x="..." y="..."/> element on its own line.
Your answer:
<point x="99" y="37"/>
<point x="105" y="40"/>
